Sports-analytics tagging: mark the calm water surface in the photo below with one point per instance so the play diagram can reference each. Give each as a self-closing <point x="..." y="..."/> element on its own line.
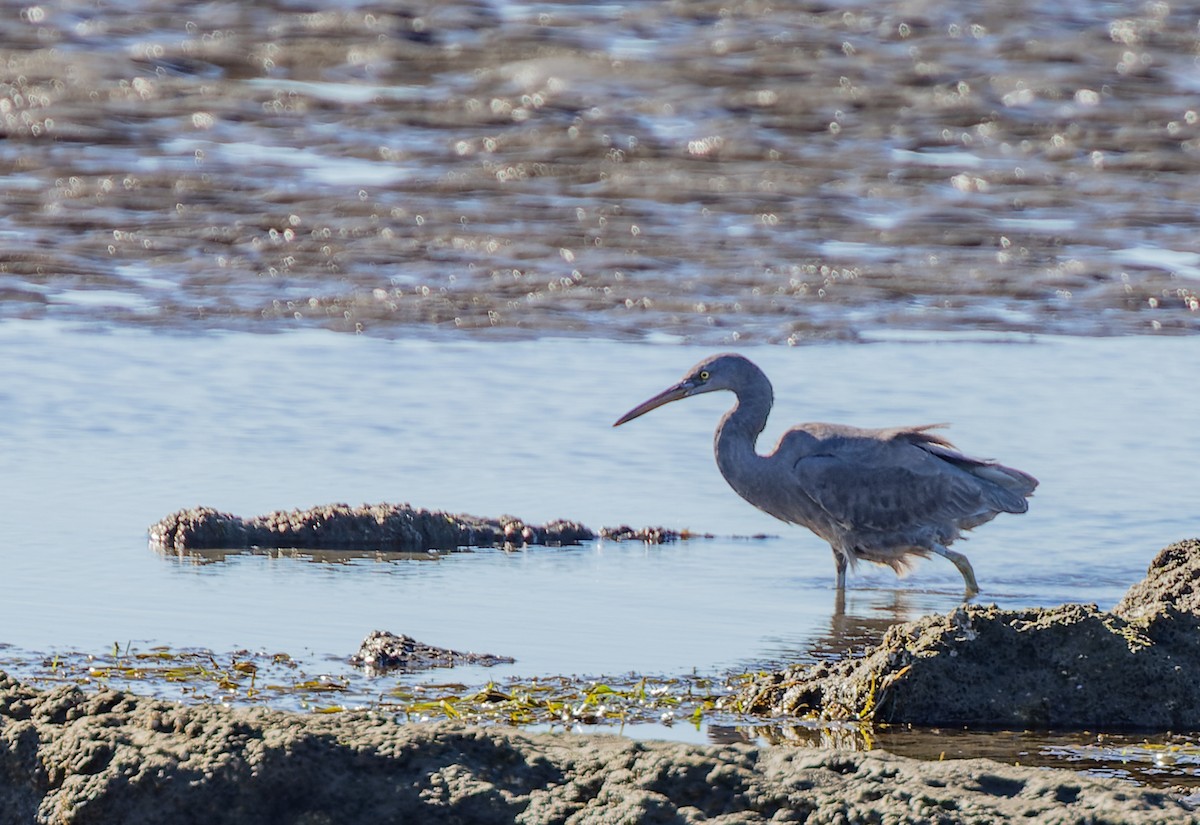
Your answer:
<point x="106" y="431"/>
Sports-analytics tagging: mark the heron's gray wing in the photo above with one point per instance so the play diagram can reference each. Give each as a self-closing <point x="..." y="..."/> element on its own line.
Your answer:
<point x="1005" y="487"/>
<point x="887" y="487"/>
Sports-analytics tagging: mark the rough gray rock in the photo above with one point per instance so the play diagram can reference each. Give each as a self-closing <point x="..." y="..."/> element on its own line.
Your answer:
<point x="75" y="758"/>
<point x="385" y="527"/>
<point x="382" y="651"/>
<point x="1072" y="666"/>
<point x="1172" y="584"/>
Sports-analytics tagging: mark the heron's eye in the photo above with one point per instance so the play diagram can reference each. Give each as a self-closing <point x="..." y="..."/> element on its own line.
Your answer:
<point x="703" y="376"/>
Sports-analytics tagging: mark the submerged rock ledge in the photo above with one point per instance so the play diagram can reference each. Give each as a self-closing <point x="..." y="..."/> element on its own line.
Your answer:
<point x="382" y="527"/>
<point x="77" y="758"/>
<point x="1068" y="667"/>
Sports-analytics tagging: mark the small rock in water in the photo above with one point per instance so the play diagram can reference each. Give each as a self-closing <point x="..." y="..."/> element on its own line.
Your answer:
<point x="382" y="527"/>
<point x="382" y="651"/>
<point x="650" y="535"/>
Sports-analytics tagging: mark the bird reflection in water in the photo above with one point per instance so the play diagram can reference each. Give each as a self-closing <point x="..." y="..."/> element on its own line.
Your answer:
<point x="847" y="634"/>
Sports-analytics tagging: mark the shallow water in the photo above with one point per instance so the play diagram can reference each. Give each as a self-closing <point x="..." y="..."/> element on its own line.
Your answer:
<point x="108" y="430"/>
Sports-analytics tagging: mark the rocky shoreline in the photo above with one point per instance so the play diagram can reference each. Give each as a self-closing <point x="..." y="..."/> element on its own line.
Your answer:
<point x="74" y="756"/>
<point x="67" y="756"/>
<point x="1067" y="667"/>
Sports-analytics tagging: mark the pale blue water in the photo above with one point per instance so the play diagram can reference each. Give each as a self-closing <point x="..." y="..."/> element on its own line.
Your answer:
<point x="105" y="430"/>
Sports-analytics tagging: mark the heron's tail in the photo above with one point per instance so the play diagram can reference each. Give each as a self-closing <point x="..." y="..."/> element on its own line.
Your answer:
<point x="1018" y="485"/>
<point x="1006" y="488"/>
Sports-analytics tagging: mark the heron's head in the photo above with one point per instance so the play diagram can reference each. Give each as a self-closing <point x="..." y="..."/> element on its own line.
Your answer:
<point x="720" y="372"/>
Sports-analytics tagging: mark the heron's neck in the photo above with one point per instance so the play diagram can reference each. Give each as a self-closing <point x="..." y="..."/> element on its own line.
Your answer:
<point x="739" y="430"/>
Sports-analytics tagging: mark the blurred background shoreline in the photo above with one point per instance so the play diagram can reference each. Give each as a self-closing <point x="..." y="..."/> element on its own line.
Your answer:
<point x="716" y="173"/>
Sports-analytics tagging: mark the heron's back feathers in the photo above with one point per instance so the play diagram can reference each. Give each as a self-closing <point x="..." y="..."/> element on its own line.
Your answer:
<point x="879" y="490"/>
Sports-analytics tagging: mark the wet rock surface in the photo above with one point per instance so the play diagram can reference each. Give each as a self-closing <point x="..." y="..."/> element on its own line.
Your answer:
<point x="650" y="535"/>
<point x="383" y="527"/>
<point x="72" y="757"/>
<point x="1172" y="586"/>
<point x="1067" y="667"/>
<point x="383" y="651"/>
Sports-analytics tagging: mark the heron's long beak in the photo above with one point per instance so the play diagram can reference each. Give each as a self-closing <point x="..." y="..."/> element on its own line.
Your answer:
<point x="681" y="390"/>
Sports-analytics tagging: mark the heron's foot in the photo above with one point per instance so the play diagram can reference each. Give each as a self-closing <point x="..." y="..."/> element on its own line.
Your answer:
<point x="964" y="567"/>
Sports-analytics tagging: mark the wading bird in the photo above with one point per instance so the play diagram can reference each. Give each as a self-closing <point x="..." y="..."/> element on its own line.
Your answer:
<point x="884" y="496"/>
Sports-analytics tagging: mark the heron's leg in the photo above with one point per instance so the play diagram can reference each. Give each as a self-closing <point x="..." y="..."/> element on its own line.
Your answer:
<point x="964" y="567"/>
<point x="840" y="561"/>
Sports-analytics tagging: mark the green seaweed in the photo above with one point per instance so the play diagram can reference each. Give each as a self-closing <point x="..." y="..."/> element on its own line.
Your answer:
<point x="562" y="701"/>
<point x="198" y="675"/>
<point x="279" y="680"/>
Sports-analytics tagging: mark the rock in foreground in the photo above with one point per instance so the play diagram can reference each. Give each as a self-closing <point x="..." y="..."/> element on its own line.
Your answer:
<point x="1072" y="666"/>
<point x="74" y="758"/>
